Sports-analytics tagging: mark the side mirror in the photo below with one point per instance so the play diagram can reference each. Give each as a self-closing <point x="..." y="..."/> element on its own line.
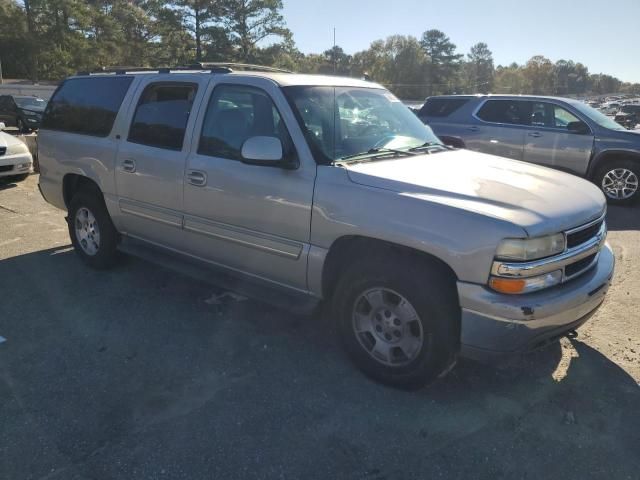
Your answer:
<point x="2" y="126"/>
<point x="580" y="128"/>
<point x="261" y="150"/>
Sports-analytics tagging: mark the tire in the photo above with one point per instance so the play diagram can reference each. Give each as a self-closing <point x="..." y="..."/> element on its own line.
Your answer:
<point x="434" y="301"/>
<point x="625" y="171"/>
<point x="92" y="233"/>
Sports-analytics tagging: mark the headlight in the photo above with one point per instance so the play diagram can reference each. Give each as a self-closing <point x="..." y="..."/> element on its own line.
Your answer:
<point x="17" y="149"/>
<point x="526" y="249"/>
<point x="515" y="286"/>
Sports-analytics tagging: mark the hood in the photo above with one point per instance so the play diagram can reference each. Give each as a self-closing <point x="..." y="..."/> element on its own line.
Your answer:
<point x="7" y="140"/>
<point x="538" y="199"/>
<point x="33" y="108"/>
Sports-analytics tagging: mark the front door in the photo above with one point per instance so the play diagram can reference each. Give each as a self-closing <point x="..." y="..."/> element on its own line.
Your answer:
<point x="151" y="158"/>
<point x="250" y="218"/>
<point x="549" y="142"/>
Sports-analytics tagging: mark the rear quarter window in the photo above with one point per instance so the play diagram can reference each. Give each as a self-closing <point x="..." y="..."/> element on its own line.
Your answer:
<point x="442" y="107"/>
<point x="87" y="106"/>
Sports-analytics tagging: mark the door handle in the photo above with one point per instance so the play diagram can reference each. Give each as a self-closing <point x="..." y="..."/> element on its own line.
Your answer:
<point x="129" y="165"/>
<point x="535" y="134"/>
<point x="197" y="178"/>
<point x="473" y="129"/>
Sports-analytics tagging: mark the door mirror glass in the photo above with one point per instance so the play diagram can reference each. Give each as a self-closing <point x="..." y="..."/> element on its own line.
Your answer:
<point x="262" y="150"/>
<point x="578" y="127"/>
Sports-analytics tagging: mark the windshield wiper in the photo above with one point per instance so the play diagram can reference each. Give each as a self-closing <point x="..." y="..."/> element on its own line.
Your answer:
<point x="374" y="152"/>
<point x="427" y="146"/>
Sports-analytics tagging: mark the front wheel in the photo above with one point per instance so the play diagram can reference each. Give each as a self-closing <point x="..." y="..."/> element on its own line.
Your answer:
<point x="92" y="233"/>
<point x="619" y="180"/>
<point x="398" y="320"/>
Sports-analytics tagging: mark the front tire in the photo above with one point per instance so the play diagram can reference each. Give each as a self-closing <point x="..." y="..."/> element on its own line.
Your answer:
<point x="398" y="319"/>
<point x="92" y="233"/>
<point x="619" y="180"/>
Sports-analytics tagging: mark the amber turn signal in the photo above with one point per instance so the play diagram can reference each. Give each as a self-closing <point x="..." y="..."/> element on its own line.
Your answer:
<point x="508" y="285"/>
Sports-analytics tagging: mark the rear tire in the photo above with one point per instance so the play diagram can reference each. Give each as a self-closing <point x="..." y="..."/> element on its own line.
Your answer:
<point x="92" y="233"/>
<point x="416" y="349"/>
<point x="619" y="180"/>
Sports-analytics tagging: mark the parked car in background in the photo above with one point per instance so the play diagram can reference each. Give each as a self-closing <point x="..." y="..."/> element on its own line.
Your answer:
<point x="628" y="116"/>
<point x="315" y="188"/>
<point x="16" y="161"/>
<point x="22" y="112"/>
<point x="554" y="132"/>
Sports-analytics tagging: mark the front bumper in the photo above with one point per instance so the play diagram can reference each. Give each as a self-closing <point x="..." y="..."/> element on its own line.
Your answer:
<point x="495" y="324"/>
<point x="15" y="164"/>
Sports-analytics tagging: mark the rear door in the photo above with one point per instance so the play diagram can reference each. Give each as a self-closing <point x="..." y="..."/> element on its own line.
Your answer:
<point x="549" y="142"/>
<point x="152" y="155"/>
<point x="498" y="128"/>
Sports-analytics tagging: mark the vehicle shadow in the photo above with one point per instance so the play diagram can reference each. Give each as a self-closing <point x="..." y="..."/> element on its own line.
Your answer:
<point x="623" y="218"/>
<point x="139" y="362"/>
<point x="6" y="184"/>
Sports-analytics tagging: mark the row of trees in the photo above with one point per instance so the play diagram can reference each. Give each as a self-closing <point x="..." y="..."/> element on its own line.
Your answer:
<point x="50" y="39"/>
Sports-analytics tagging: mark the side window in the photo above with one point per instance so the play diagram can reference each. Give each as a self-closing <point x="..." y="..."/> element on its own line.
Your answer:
<point x="541" y="114"/>
<point x="236" y="113"/>
<point x="511" y="112"/>
<point x="87" y="106"/>
<point x="441" y="107"/>
<point x="562" y="117"/>
<point x="162" y="114"/>
<point x="3" y="103"/>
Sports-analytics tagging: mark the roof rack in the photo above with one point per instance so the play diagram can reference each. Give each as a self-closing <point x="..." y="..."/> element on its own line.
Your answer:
<point x="239" y="66"/>
<point x="211" y="67"/>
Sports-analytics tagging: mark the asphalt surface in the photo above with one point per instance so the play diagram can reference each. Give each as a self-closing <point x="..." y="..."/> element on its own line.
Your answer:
<point x="138" y="373"/>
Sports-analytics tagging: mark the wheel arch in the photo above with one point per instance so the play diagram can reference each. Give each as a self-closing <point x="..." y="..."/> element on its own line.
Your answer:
<point x="72" y="183"/>
<point x="347" y="249"/>
<point x="609" y="155"/>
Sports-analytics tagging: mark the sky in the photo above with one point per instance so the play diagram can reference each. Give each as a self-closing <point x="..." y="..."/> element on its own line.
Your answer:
<point x="603" y="35"/>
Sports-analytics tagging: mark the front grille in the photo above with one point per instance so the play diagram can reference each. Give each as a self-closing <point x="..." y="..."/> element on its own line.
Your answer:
<point x="3" y="150"/>
<point x="582" y="236"/>
<point x="577" y="267"/>
<point x="6" y="168"/>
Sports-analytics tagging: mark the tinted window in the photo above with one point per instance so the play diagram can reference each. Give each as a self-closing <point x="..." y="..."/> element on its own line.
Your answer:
<point x="86" y="105"/>
<point x="562" y="118"/>
<point x="441" y="107"/>
<point x="162" y="115"/>
<point x="506" y="111"/>
<point x="236" y="113"/>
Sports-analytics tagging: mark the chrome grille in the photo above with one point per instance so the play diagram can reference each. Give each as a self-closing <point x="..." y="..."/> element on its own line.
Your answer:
<point x="578" y="237"/>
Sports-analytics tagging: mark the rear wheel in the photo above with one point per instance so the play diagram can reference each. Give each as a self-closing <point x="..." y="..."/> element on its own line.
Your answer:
<point x="619" y="180"/>
<point x="92" y="233"/>
<point x="398" y="320"/>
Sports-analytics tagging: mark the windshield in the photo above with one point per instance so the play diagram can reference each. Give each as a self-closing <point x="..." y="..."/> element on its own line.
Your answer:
<point x="598" y="117"/>
<point x="24" y="102"/>
<point x="343" y="122"/>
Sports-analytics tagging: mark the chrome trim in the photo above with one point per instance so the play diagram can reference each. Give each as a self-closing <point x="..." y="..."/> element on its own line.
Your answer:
<point x="557" y="262"/>
<point x="246" y="238"/>
<point x="586" y="225"/>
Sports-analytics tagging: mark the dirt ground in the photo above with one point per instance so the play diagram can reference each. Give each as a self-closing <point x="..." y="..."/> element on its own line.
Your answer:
<point x="138" y="373"/>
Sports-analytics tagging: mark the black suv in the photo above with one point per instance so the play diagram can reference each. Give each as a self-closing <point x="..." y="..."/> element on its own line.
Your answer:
<point x="22" y="112"/>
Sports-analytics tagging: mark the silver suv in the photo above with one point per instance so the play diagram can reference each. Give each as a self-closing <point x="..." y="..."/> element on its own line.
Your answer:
<point x="556" y="132"/>
<point x="301" y="188"/>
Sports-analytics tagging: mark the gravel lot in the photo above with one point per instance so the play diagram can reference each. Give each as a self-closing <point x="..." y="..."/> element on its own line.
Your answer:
<point x="132" y="374"/>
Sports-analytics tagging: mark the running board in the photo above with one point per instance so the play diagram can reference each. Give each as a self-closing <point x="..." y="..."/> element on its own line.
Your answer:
<point x="280" y="297"/>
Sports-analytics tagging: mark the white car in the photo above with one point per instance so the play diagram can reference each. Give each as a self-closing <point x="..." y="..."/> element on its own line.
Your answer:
<point x="15" y="159"/>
